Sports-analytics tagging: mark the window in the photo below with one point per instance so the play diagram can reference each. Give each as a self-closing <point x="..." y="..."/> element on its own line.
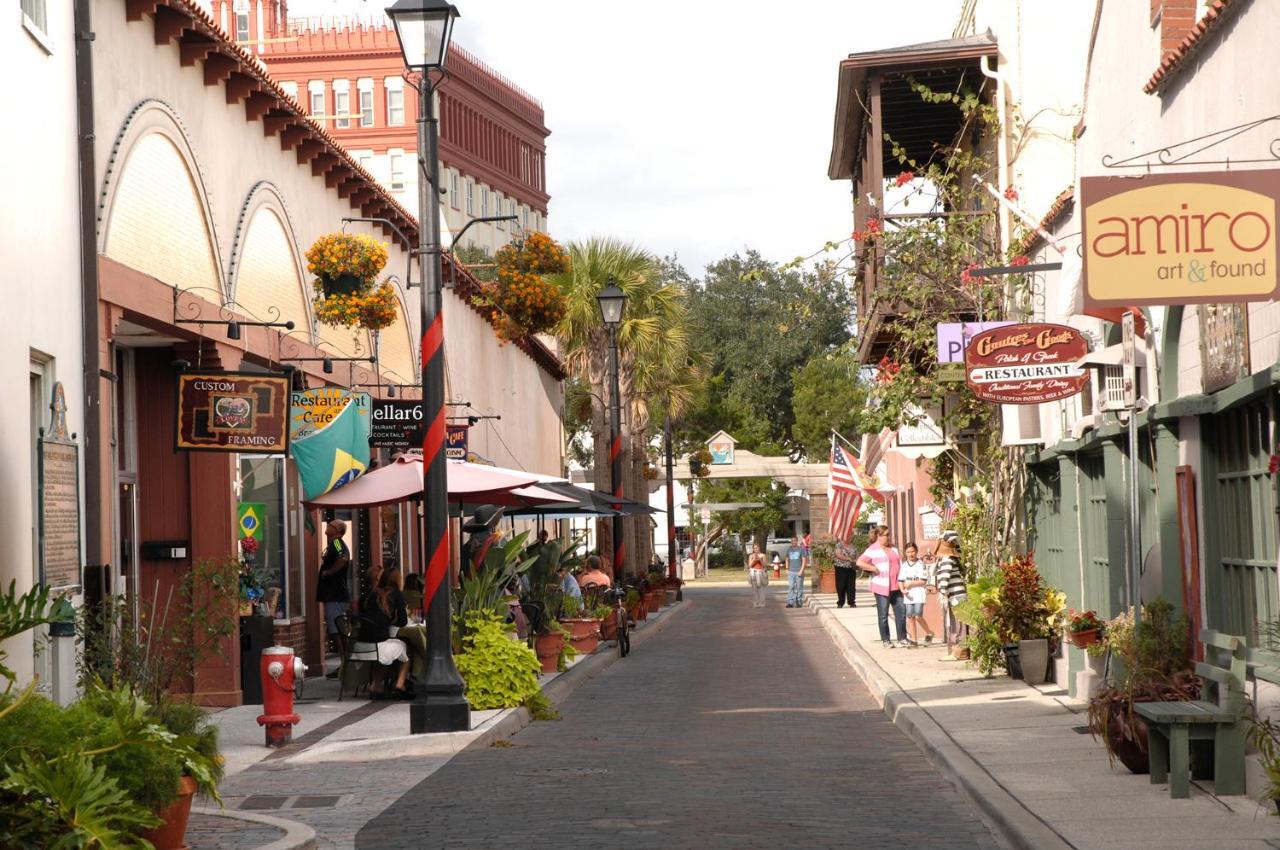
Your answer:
<point x="290" y="88"/>
<point x="484" y="201"/>
<point x="315" y="89"/>
<point x="397" y="170"/>
<point x="524" y="217"/>
<point x="395" y="107"/>
<point x="366" y="161"/>
<point x="342" y="109"/>
<point x="497" y="208"/>
<point x="453" y="189"/>
<point x="242" y="26"/>
<point x="34" y="11"/>
<point x="471" y="198"/>
<point x="366" y="108"/>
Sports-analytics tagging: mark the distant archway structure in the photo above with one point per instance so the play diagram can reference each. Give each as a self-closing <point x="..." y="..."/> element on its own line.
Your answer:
<point x="396" y="350"/>
<point x="154" y="213"/>
<point x="268" y="279"/>
<point x="733" y="462"/>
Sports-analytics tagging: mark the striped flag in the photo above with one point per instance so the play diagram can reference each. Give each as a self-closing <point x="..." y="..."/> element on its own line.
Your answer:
<point x="949" y="510"/>
<point x="844" y="499"/>
<point x="873" y="449"/>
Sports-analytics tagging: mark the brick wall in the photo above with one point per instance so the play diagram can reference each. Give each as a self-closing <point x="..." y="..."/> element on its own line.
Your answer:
<point x="1175" y="19"/>
<point x="292" y="634"/>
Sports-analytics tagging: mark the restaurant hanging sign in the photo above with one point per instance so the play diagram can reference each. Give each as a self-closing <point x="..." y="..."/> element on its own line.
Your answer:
<point x="456" y="440"/>
<point x="313" y="409"/>
<point x="1206" y="237"/>
<point x="1026" y="364"/>
<point x="233" y="412"/>
<point x="398" y="424"/>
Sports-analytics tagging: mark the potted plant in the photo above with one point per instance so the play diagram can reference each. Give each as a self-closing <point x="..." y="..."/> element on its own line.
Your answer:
<point x="202" y="769"/>
<point x="985" y="644"/>
<point x="604" y="614"/>
<point x="549" y="644"/>
<point x="656" y="591"/>
<point x="634" y="603"/>
<point x="345" y="263"/>
<point x="1149" y="663"/>
<point x="823" y="560"/>
<point x="584" y="631"/>
<point x="1026" y="614"/>
<point x="1082" y="627"/>
<point x="1265" y="735"/>
<point x="522" y="300"/>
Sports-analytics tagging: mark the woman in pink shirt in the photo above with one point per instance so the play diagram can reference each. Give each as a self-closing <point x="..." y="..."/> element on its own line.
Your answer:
<point x="883" y="560"/>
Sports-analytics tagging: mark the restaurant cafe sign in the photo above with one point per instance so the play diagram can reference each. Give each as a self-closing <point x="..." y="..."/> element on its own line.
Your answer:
<point x="1207" y="237"/>
<point x="1026" y="364"/>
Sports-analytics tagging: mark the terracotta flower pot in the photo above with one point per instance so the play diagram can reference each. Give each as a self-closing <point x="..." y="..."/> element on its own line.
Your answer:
<point x="584" y="633"/>
<point x="609" y="629"/>
<point x="171" y="835"/>
<point x="1131" y="750"/>
<point x="652" y="601"/>
<point x="639" y="612"/>
<point x="827" y="581"/>
<point x="548" y="648"/>
<point x="1083" y="639"/>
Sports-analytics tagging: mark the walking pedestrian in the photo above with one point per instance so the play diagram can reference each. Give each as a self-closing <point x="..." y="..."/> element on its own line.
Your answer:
<point x="883" y="560"/>
<point x="846" y="575"/>
<point x="757" y="576"/>
<point x="797" y="560"/>
<point x="949" y="579"/>
<point x="913" y="578"/>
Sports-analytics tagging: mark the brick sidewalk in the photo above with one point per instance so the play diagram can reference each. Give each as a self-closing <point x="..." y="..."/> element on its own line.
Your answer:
<point x="1018" y="751"/>
<point x="735" y="728"/>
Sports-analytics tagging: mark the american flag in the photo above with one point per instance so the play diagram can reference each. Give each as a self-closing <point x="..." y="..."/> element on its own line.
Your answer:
<point x="949" y="510"/>
<point x="844" y="500"/>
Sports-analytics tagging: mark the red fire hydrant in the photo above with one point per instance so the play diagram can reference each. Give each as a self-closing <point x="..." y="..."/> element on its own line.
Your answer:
<point x="279" y="669"/>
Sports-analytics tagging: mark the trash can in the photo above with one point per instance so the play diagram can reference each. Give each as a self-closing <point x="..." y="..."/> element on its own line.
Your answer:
<point x="256" y="634"/>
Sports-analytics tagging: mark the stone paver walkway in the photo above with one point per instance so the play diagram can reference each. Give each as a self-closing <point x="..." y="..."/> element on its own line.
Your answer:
<point x="1022" y="748"/>
<point x="734" y="728"/>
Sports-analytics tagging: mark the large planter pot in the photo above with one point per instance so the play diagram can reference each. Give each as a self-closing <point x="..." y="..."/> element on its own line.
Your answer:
<point x="1033" y="656"/>
<point x="1083" y="639"/>
<point x="639" y="612"/>
<point x="171" y="835"/>
<point x="827" y="581"/>
<point x="1012" y="663"/>
<point x="548" y="648"/>
<point x="1132" y="750"/>
<point x="672" y="594"/>
<point x="653" y="601"/>
<point x="342" y="284"/>
<point x="609" y="629"/>
<point x="584" y="633"/>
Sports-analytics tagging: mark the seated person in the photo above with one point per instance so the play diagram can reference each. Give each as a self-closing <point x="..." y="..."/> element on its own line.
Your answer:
<point x="593" y="574"/>
<point x="413" y="592"/>
<point x="384" y="616"/>
<point x="568" y="584"/>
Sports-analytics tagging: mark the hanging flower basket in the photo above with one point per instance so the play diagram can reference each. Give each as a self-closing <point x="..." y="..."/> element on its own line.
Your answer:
<point x="346" y="266"/>
<point x="346" y="263"/>
<point x="522" y="302"/>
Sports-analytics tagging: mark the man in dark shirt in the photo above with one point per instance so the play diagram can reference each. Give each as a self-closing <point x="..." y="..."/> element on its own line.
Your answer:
<point x="333" y="585"/>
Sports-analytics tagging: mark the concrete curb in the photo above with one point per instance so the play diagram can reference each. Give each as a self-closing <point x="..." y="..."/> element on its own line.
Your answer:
<point x="1013" y="822"/>
<point x="297" y="836"/>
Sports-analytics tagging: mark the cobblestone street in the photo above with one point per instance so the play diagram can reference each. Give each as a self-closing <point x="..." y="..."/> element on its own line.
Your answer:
<point x="735" y="728"/>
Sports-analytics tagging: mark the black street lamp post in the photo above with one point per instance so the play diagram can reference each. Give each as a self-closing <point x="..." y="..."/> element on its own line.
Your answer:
<point x="423" y="28"/>
<point x="612" y="303"/>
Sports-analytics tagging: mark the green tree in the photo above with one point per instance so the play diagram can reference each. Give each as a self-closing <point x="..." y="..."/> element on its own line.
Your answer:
<point x="758" y="324"/>
<point x="656" y="362"/>
<point x="828" y="393"/>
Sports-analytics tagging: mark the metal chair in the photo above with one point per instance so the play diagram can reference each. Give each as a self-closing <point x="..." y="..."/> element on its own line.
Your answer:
<point x="357" y="654"/>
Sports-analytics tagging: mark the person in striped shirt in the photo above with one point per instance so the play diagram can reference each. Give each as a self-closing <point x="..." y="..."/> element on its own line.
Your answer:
<point x="948" y="578"/>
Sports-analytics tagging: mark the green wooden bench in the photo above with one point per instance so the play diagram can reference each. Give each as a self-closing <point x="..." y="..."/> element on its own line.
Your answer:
<point x="1217" y="720"/>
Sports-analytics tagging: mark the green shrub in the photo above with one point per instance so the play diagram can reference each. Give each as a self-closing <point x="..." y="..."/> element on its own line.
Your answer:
<point x="500" y="672"/>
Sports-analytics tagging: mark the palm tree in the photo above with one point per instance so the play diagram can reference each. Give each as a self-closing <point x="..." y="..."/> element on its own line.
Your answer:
<point x="654" y="355"/>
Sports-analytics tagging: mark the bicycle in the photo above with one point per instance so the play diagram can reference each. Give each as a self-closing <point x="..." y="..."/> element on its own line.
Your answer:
<point x="617" y="596"/>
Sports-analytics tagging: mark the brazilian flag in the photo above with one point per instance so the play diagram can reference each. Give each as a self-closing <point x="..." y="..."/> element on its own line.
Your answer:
<point x="334" y="454"/>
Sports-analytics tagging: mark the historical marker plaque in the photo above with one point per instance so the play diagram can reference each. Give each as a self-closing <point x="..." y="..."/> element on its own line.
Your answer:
<point x="59" y="469"/>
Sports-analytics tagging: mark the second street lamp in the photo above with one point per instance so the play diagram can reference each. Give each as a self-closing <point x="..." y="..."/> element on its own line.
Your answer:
<point x="439" y="703"/>
<point x="613" y="302"/>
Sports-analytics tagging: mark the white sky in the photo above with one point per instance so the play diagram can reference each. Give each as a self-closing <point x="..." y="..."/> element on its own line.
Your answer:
<point x="694" y="128"/>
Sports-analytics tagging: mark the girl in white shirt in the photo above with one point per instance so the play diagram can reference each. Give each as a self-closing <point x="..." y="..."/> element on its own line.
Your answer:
<point x="913" y="579"/>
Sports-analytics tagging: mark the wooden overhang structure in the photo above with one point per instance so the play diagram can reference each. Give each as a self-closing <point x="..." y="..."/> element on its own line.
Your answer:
<point x="875" y="97"/>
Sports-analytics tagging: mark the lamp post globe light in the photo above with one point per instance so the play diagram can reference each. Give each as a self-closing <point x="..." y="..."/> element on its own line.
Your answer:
<point x="423" y="28"/>
<point x="613" y="301"/>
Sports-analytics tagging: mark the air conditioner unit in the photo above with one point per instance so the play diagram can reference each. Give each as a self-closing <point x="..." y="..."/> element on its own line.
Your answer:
<point x="1084" y="423"/>
<point x="1111" y="398"/>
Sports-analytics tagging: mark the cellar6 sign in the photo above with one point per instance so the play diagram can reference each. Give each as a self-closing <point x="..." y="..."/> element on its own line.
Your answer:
<point x="398" y="424"/>
<point x="1026" y="364"/>
<point x="1207" y="237"/>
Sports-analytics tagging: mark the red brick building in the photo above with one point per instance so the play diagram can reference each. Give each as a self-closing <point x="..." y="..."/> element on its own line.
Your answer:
<point x="347" y="74"/>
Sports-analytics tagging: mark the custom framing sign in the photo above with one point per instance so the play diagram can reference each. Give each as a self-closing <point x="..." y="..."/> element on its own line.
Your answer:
<point x="1195" y="238"/>
<point x="244" y="412"/>
<point x="1026" y="364"/>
